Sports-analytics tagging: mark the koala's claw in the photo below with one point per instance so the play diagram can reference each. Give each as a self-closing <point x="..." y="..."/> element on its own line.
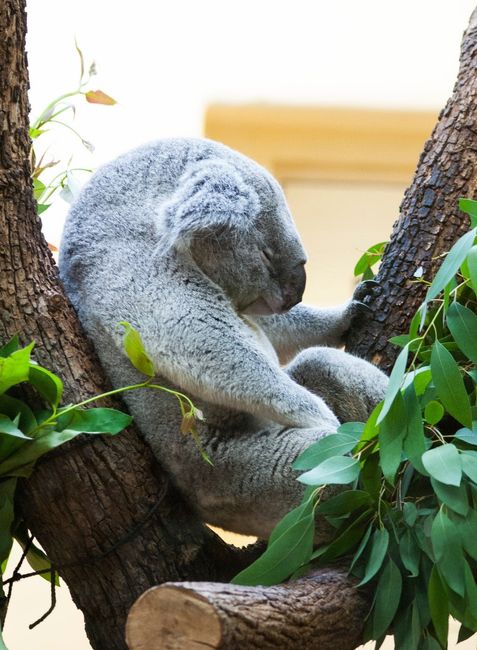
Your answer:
<point x="366" y="288"/>
<point x="361" y="307"/>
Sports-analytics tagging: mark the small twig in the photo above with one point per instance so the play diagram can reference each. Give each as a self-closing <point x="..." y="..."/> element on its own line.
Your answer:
<point x="52" y="601"/>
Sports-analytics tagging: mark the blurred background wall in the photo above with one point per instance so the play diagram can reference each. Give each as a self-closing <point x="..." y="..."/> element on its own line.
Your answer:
<point x="336" y="98"/>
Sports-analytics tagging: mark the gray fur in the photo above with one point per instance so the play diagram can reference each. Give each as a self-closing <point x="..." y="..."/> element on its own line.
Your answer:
<point x="193" y="244"/>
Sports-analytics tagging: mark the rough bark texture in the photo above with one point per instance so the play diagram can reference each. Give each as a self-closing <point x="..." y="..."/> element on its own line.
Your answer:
<point x="85" y="498"/>
<point x="430" y="220"/>
<point x="322" y="611"/>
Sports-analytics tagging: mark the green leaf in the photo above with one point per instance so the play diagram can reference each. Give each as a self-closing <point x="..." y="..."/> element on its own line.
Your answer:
<point x="414" y="444"/>
<point x="467" y="435"/>
<point x="451" y="264"/>
<point x="433" y="412"/>
<point x="388" y="595"/>
<point x="134" y="348"/>
<point x="42" y="207"/>
<point x="96" y="420"/>
<point x="450" y="385"/>
<point x="2" y="642"/>
<point x="347" y="538"/>
<point x="464" y="634"/>
<point x="14" y="369"/>
<point x="290" y="519"/>
<point x="467" y="531"/>
<point x="47" y="384"/>
<point x="472" y="266"/>
<point x="369" y="258"/>
<point x="7" y="494"/>
<point x="30" y="451"/>
<point x="444" y="464"/>
<point x="9" y="428"/>
<point x="453" y="497"/>
<point x="338" y="469"/>
<point x="409" y="512"/>
<point x="391" y="436"/>
<point x="14" y="407"/>
<point x="353" y="429"/>
<point x="462" y="323"/>
<point x="362" y="545"/>
<point x="446" y="544"/>
<point x="410" y="553"/>
<point x="12" y="346"/>
<point x="469" y="206"/>
<point x="401" y="340"/>
<point x="395" y="382"/>
<point x="344" y="503"/>
<point x="470" y="591"/>
<point x="469" y="464"/>
<point x="282" y="558"/>
<point x="334" y="444"/>
<point x="379" y="547"/>
<point x="439" y="606"/>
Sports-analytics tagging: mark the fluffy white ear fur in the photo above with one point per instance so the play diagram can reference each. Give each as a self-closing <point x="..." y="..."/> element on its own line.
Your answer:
<point x="210" y="195"/>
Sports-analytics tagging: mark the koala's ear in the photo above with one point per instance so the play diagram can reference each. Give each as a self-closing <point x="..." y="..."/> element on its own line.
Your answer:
<point x="211" y="195"/>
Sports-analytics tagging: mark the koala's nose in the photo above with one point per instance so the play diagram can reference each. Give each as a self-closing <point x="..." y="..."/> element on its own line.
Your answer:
<point x="294" y="286"/>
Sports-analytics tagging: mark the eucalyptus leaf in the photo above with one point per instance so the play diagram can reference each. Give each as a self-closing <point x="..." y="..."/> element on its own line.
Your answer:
<point x="47" y="384"/>
<point x="392" y="431"/>
<point x="467" y="435"/>
<point x="13" y="407"/>
<point x="415" y="443"/>
<point x="438" y="604"/>
<point x="444" y="464"/>
<point x="9" y="428"/>
<point x="7" y="493"/>
<point x="11" y="346"/>
<point x="32" y="450"/>
<point x="344" y="503"/>
<point x="95" y="420"/>
<point x="469" y="206"/>
<point x="467" y="531"/>
<point x="334" y="444"/>
<point x="134" y="348"/>
<point x="395" y="381"/>
<point x="337" y="469"/>
<point x="15" y="368"/>
<point x="410" y="554"/>
<point x="462" y="323"/>
<point x="472" y="266"/>
<point x="451" y="264"/>
<point x="450" y="385"/>
<point x="290" y="519"/>
<point x="452" y="496"/>
<point x="379" y="547"/>
<point x="446" y="544"/>
<point x="289" y="551"/>
<point x="433" y="412"/>
<point x="469" y="464"/>
<point x="388" y="595"/>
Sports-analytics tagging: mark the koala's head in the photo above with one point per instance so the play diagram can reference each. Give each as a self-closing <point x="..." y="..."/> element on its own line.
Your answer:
<point x="234" y="222"/>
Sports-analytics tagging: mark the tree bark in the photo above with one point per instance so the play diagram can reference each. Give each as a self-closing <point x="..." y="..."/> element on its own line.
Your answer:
<point x="430" y="220"/>
<point x="82" y="500"/>
<point x="323" y="610"/>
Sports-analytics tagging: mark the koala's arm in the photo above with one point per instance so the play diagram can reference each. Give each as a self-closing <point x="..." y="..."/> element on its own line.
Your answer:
<point x="305" y="326"/>
<point x="209" y="352"/>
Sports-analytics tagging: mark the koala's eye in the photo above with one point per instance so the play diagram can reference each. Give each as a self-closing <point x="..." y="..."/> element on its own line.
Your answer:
<point x="267" y="257"/>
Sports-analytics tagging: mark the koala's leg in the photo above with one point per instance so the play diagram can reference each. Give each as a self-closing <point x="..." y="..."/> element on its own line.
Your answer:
<point x="251" y="484"/>
<point x="350" y="386"/>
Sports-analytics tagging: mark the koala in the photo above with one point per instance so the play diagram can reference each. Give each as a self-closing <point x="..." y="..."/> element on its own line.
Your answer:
<point x="194" y="245"/>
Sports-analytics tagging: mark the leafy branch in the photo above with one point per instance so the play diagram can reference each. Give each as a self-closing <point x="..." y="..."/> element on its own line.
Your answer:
<point x="406" y="517"/>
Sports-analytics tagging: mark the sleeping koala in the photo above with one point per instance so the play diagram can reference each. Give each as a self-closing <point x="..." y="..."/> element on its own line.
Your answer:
<point x="193" y="244"/>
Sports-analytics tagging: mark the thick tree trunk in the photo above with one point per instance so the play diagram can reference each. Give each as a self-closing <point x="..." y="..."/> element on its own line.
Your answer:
<point x="430" y="220"/>
<point x="322" y="611"/>
<point x="84" y="499"/>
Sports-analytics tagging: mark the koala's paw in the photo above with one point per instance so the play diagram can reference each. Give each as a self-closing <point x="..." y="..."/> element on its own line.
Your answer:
<point x="365" y="289"/>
